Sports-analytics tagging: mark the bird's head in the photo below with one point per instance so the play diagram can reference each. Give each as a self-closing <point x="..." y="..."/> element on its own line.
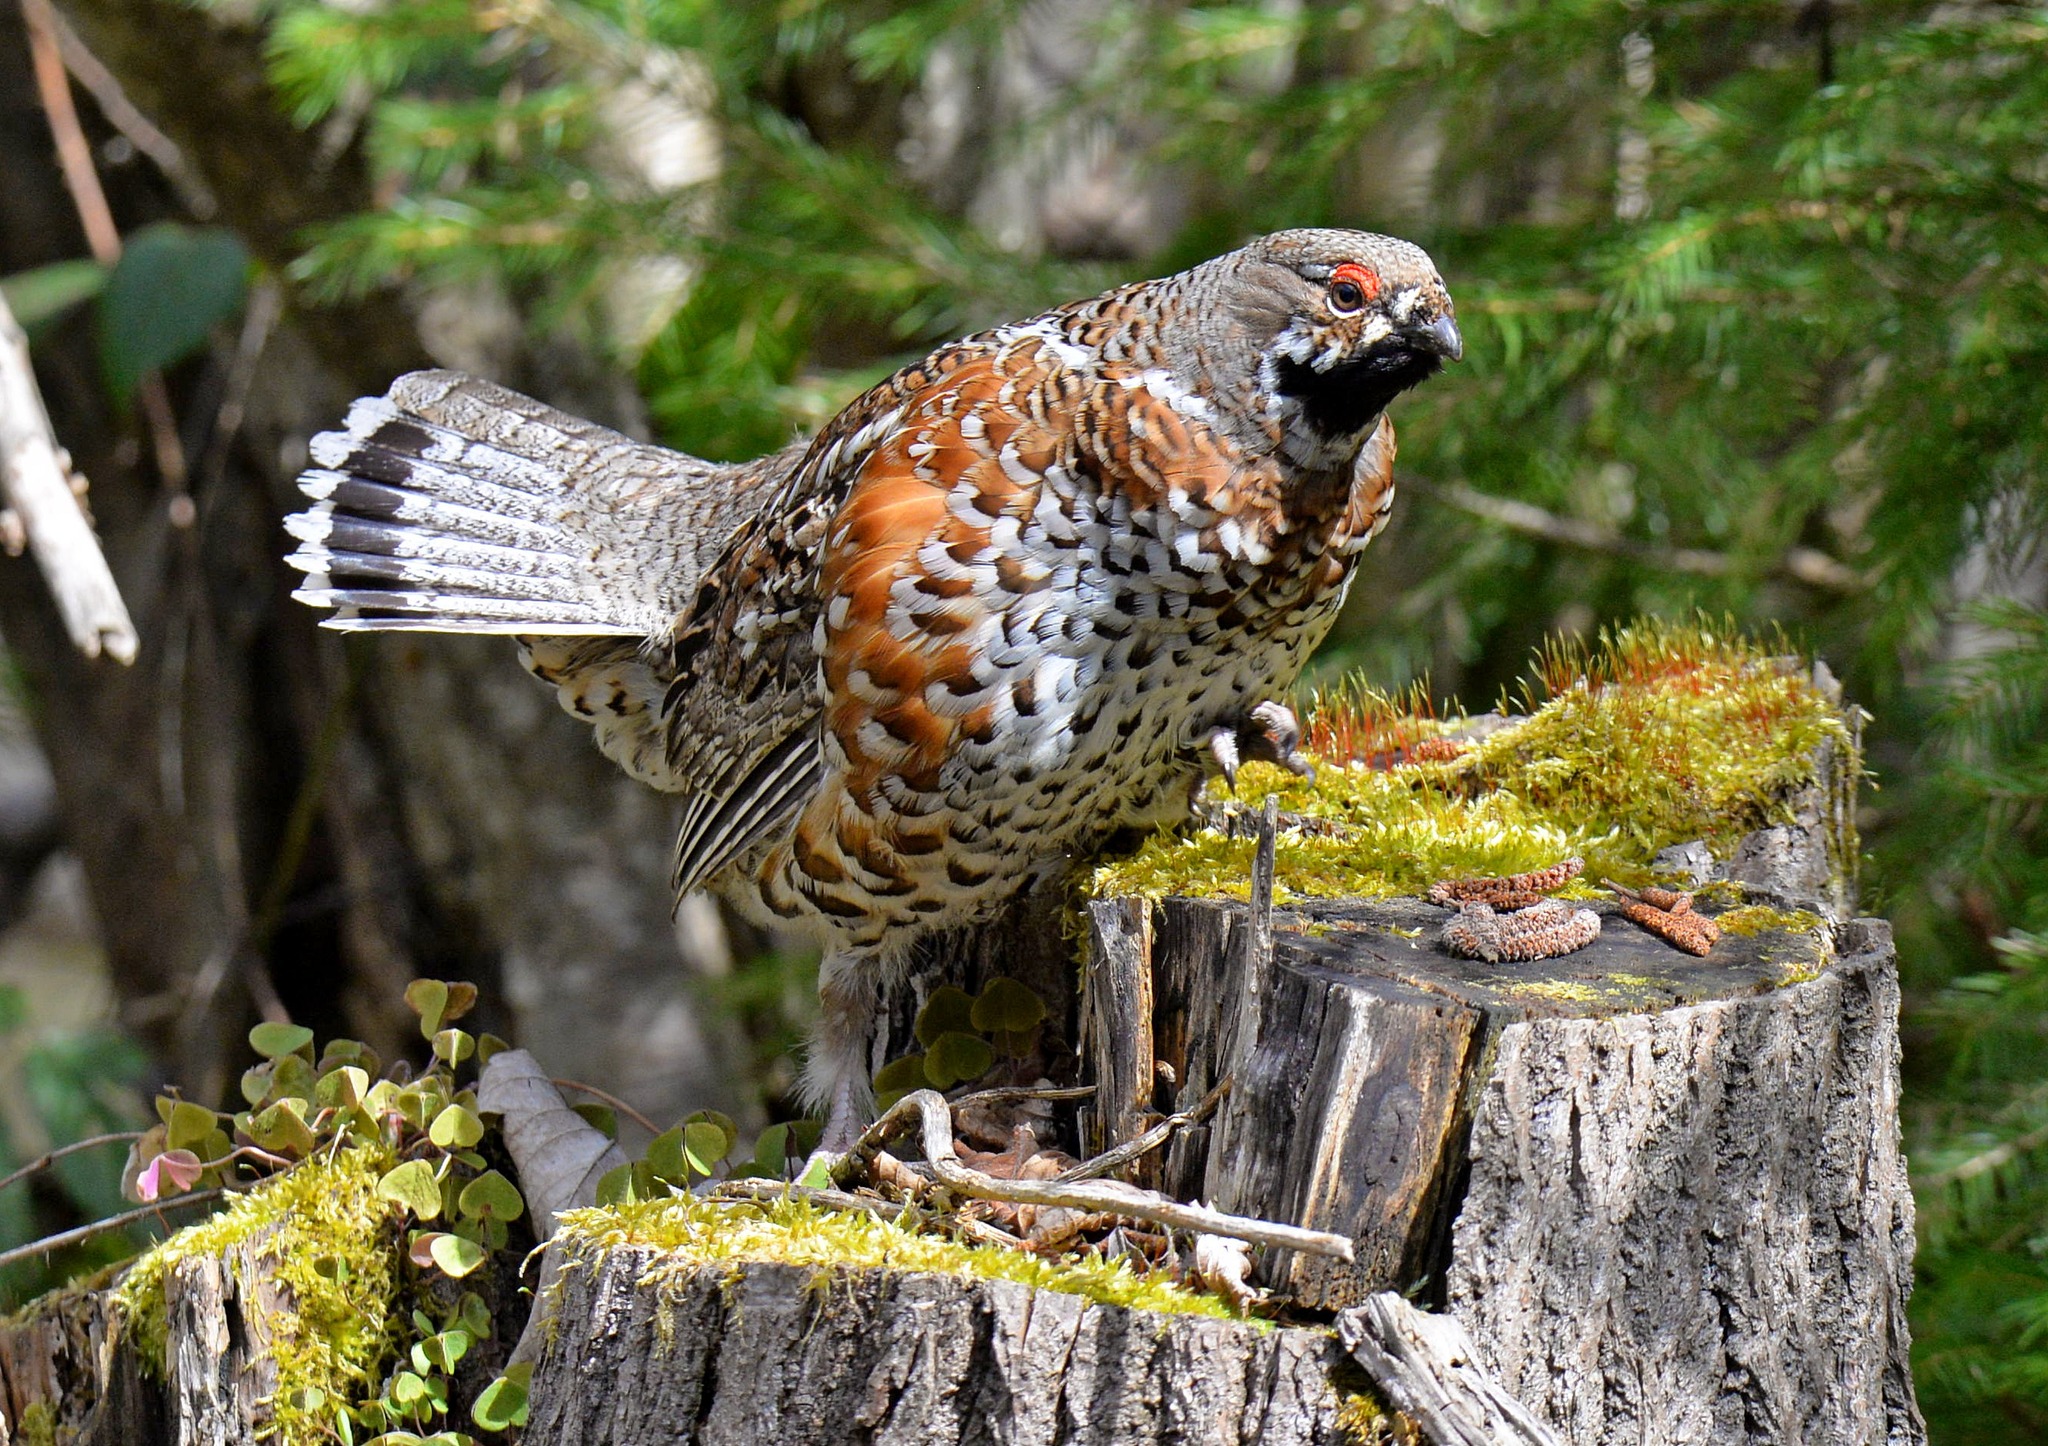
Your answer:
<point x="1343" y="321"/>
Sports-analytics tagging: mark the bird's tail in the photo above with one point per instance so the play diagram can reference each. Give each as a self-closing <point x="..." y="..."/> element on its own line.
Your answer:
<point x="453" y="505"/>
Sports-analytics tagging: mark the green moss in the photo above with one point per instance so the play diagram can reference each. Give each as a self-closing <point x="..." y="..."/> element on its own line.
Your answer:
<point x="793" y="1232"/>
<point x="336" y="1252"/>
<point x="1663" y="734"/>
<point x="37" y="1426"/>
<point x="1753" y="919"/>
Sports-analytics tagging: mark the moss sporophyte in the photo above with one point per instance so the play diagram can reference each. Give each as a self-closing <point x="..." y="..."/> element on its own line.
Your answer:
<point x="1659" y="734"/>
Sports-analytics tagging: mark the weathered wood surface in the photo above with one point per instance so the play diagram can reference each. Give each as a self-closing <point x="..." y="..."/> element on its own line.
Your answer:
<point x="1426" y="1367"/>
<point x="66" y="1362"/>
<point x="1695" y="1225"/>
<point x="648" y="1350"/>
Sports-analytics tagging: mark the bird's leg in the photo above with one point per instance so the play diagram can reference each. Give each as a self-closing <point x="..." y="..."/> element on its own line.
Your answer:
<point x="836" y="1075"/>
<point x="1267" y="731"/>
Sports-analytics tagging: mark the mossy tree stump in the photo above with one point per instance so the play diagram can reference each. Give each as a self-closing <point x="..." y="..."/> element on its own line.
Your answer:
<point x="1663" y="1196"/>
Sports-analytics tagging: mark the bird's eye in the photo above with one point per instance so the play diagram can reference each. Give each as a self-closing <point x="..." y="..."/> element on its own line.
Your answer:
<point x="1351" y="287"/>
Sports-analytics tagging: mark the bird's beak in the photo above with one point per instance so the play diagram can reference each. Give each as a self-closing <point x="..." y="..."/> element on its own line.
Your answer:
<point x="1440" y="336"/>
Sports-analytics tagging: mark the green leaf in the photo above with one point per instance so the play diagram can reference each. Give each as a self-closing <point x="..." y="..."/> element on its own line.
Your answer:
<point x="629" y="1184"/>
<point x="271" y="1039"/>
<point x="172" y="285"/>
<point x="502" y="1404"/>
<point x="728" y="1131"/>
<point x="282" y="1130"/>
<point x="1008" y="1006"/>
<point x="342" y="1088"/>
<point x="955" y="1057"/>
<point x="898" y="1078"/>
<point x="456" y="1257"/>
<point x="456" y="1128"/>
<point x="45" y="293"/>
<point x="704" y="1145"/>
<point x="948" y="1011"/>
<point x="603" y="1116"/>
<point x="412" y="1185"/>
<point x="188" y="1125"/>
<point x="665" y="1155"/>
<point x="488" y="1045"/>
<point x="454" y="1045"/>
<point x="428" y="998"/>
<point x="445" y="1350"/>
<point x="491" y="1194"/>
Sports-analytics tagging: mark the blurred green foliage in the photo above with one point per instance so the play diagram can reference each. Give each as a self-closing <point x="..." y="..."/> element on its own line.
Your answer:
<point x="62" y="1087"/>
<point x="1755" y="317"/>
<point x="1755" y="322"/>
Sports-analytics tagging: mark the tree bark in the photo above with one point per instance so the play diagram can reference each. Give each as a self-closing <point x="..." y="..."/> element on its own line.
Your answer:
<point x="767" y="1352"/>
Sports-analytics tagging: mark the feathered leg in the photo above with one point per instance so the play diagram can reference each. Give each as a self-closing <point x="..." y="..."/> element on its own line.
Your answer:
<point x="839" y="1068"/>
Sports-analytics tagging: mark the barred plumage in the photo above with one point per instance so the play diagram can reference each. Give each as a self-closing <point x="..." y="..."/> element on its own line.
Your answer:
<point x="1007" y="602"/>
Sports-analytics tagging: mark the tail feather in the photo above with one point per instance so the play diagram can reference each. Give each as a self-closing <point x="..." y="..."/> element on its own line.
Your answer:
<point x="488" y="517"/>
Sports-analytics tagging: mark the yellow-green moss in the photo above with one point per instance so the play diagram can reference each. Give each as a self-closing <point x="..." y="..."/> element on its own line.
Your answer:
<point x="337" y="1255"/>
<point x="37" y="1426"/>
<point x="1753" y="919"/>
<point x="1664" y="734"/>
<point x="793" y="1232"/>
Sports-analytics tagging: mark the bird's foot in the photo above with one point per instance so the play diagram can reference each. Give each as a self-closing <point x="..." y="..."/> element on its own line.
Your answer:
<point x="1268" y="732"/>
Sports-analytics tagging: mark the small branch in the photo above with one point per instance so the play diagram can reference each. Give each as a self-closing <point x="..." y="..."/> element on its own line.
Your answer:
<point x="122" y="114"/>
<point x="1114" y="1159"/>
<point x="611" y="1099"/>
<point x="1984" y="1162"/>
<point x="50" y="1157"/>
<point x="74" y="160"/>
<point x="101" y="1227"/>
<point x="928" y="1109"/>
<point x="1803" y="564"/>
<point x="35" y="479"/>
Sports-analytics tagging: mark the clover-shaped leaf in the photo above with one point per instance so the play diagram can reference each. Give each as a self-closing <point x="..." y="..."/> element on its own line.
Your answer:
<point x="898" y="1078"/>
<point x="412" y="1185"/>
<point x="188" y="1124"/>
<point x="491" y="1195"/>
<point x="947" y="1011"/>
<point x="456" y="1128"/>
<point x="502" y="1404"/>
<point x="282" y="1129"/>
<point x="954" y="1057"/>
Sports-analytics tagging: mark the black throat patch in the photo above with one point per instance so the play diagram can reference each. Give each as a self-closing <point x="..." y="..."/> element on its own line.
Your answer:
<point x="1344" y="400"/>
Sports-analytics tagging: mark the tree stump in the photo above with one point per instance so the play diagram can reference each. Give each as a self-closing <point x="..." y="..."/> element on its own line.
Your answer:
<point x="1651" y="1197"/>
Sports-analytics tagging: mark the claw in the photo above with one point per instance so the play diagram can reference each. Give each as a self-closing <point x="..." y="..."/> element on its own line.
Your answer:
<point x="1273" y="733"/>
<point x="1223" y="748"/>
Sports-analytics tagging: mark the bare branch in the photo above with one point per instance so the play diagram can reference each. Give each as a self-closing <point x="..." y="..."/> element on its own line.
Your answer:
<point x="928" y="1109"/>
<point x="101" y="1227"/>
<point x="35" y="478"/>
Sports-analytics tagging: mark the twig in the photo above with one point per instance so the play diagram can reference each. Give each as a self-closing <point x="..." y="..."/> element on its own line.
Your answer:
<point x="89" y="198"/>
<point x="1007" y="1094"/>
<point x="51" y="1157"/>
<point x="35" y="477"/>
<point x="1803" y="564"/>
<point x="122" y="115"/>
<point x="101" y="1227"/>
<point x="1116" y="1158"/>
<point x="611" y="1099"/>
<point x="928" y="1109"/>
<point x="1984" y="1162"/>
